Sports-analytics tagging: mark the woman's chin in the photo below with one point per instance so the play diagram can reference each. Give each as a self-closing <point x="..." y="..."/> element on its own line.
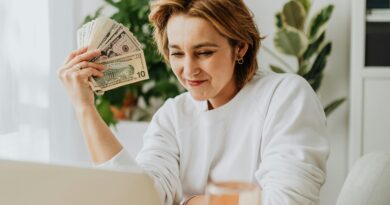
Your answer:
<point x="199" y="96"/>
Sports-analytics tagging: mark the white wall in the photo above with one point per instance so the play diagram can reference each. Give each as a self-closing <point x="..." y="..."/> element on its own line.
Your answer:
<point x="66" y="142"/>
<point x="24" y="67"/>
<point x="335" y="83"/>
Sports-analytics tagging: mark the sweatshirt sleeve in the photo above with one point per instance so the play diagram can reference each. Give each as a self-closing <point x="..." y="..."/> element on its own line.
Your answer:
<point x="159" y="157"/>
<point x="121" y="160"/>
<point x="294" y="148"/>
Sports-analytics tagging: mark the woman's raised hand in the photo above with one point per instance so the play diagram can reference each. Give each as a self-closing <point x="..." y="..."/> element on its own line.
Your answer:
<point x="74" y="74"/>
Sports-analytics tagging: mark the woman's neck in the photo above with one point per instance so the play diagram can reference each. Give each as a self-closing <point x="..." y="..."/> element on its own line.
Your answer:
<point x="224" y="96"/>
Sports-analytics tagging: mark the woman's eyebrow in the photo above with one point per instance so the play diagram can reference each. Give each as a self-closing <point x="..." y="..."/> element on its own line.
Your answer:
<point x="200" y="45"/>
<point x="205" y="44"/>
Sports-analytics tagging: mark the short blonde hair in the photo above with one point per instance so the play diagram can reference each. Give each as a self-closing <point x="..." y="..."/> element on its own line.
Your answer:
<point x="231" y="18"/>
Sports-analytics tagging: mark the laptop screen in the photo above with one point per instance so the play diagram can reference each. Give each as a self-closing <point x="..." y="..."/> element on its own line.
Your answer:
<point x="31" y="183"/>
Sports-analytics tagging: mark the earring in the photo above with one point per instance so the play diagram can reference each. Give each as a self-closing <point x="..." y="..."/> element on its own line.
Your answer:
<point x="240" y="61"/>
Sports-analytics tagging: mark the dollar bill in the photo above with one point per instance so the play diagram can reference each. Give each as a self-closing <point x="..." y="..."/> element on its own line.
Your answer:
<point x="123" y="43"/>
<point x="122" y="54"/>
<point x="102" y="30"/>
<point x="121" y="71"/>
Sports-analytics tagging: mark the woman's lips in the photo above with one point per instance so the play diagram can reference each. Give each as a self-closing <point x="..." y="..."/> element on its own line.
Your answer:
<point x="195" y="82"/>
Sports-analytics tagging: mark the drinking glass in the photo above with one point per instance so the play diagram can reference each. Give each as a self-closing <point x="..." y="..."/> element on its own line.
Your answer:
<point x="233" y="193"/>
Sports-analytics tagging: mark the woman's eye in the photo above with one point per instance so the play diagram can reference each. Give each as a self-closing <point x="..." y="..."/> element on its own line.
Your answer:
<point x="177" y="54"/>
<point x="205" y="53"/>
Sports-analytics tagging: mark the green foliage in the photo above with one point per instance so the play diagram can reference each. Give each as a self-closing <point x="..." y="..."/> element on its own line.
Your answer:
<point x="294" y="14"/>
<point x="319" y="22"/>
<point x="332" y="106"/>
<point x="134" y="15"/>
<point x="306" y="4"/>
<point x="313" y="47"/>
<point x="319" y="63"/>
<point x="278" y="20"/>
<point x="308" y="46"/>
<point x="103" y="106"/>
<point x="290" y="41"/>
<point x="277" y="69"/>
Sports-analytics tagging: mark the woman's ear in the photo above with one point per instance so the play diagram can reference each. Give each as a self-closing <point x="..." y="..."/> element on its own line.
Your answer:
<point x="241" y="50"/>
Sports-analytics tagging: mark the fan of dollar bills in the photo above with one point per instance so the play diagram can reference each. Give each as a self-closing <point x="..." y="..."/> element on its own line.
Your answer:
<point x="121" y="53"/>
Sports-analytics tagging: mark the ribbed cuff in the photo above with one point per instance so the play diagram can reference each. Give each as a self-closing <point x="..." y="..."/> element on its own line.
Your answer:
<point x="122" y="160"/>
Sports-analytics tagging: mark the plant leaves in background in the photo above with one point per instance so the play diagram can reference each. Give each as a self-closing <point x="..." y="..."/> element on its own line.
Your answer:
<point x="332" y="106"/>
<point x="313" y="47"/>
<point x="306" y="4"/>
<point x="291" y="41"/>
<point x="304" y="46"/>
<point x="302" y="68"/>
<point x="319" y="22"/>
<point x="278" y="20"/>
<point x="294" y="15"/>
<point x="277" y="69"/>
<point x="103" y="107"/>
<point x="161" y="89"/>
<point x="320" y="62"/>
<point x="315" y="83"/>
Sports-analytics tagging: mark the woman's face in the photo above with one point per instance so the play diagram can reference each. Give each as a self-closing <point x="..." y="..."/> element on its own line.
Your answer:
<point x="202" y="59"/>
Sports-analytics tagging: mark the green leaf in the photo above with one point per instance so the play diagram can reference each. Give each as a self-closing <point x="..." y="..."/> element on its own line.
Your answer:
<point x="302" y="68"/>
<point x="306" y="4"/>
<point x="164" y="89"/>
<point x="278" y="20"/>
<point x="291" y="41"/>
<point x="277" y="69"/>
<point x="315" y="83"/>
<point x="116" y="96"/>
<point x="294" y="14"/>
<point x="333" y="105"/>
<point x="313" y="47"/>
<point x="112" y="3"/>
<point x="320" y="62"/>
<point x="319" y="22"/>
<point x="103" y="107"/>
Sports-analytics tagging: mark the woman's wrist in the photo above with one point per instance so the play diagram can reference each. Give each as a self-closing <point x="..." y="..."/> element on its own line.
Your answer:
<point x="188" y="200"/>
<point x="83" y="110"/>
<point x="195" y="200"/>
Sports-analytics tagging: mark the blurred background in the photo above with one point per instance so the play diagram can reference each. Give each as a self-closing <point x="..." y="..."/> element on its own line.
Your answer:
<point x="37" y="122"/>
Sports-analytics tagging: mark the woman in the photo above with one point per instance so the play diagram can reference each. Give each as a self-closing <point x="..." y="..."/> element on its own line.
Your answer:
<point x="234" y="123"/>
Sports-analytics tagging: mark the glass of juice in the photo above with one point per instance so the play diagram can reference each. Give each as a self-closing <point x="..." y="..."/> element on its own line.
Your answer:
<point x="232" y="193"/>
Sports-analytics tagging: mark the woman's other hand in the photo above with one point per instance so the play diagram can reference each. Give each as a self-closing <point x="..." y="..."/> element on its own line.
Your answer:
<point x="197" y="200"/>
<point x="75" y="74"/>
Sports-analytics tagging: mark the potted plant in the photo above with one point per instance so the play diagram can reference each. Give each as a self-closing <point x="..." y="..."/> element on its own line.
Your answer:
<point x="137" y="101"/>
<point x="305" y="39"/>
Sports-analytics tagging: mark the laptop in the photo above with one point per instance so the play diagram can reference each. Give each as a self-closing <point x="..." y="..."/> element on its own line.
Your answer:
<point x="30" y="183"/>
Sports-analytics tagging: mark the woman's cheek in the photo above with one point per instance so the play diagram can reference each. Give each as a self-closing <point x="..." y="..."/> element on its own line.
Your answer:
<point x="177" y="72"/>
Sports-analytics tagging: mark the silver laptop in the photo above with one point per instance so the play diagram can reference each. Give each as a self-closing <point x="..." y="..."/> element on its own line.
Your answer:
<point x="27" y="183"/>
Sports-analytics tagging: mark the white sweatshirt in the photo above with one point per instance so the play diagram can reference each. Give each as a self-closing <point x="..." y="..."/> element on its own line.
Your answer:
<point x="271" y="133"/>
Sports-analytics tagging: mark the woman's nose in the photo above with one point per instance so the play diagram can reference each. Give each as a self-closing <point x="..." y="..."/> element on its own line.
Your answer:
<point x="191" y="67"/>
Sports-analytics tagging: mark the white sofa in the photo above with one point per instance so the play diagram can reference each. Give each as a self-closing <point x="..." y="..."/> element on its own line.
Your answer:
<point x="368" y="182"/>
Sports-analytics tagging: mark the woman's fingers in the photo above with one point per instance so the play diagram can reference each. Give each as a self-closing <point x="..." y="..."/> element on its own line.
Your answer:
<point x="85" y="73"/>
<point x="63" y="72"/>
<point x="86" y="64"/>
<point x="83" y="57"/>
<point x="80" y="75"/>
<point x="75" y="53"/>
